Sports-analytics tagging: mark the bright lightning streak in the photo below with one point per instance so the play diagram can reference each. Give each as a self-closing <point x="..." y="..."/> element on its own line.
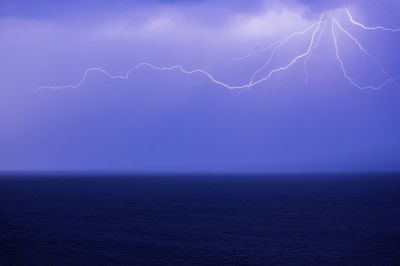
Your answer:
<point x="278" y="46"/>
<point x="278" y="43"/>
<point x="352" y="20"/>
<point x="141" y="65"/>
<point x="318" y="30"/>
<point x="365" y="52"/>
<point x="294" y="61"/>
<point x="190" y="72"/>
<point x="312" y="50"/>
<point x="344" y="71"/>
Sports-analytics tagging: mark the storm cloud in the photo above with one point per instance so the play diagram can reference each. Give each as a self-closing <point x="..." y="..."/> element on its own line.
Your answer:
<point x="169" y="122"/>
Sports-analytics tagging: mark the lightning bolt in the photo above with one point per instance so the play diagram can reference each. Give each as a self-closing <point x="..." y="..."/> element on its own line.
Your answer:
<point x="317" y="30"/>
<point x="312" y="50"/>
<point x="359" y="24"/>
<point x="291" y="63"/>
<point x="142" y="65"/>
<point x="197" y="71"/>
<point x="364" y="51"/>
<point x="279" y="45"/>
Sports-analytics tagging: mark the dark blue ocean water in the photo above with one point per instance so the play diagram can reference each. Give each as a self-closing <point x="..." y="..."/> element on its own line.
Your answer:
<point x="352" y="220"/>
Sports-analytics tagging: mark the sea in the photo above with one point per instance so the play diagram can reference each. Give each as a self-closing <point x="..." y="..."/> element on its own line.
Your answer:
<point x="200" y="220"/>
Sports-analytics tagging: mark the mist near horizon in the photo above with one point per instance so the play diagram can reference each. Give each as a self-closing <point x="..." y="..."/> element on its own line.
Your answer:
<point x="306" y="119"/>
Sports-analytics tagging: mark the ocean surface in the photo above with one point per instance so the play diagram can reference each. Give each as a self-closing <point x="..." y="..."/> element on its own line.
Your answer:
<point x="241" y="220"/>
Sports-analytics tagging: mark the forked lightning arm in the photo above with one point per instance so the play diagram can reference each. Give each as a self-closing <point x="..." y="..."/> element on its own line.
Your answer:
<point x="352" y="20"/>
<point x="317" y="31"/>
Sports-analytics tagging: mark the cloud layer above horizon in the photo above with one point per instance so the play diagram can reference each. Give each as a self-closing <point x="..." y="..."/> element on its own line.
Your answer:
<point x="169" y="122"/>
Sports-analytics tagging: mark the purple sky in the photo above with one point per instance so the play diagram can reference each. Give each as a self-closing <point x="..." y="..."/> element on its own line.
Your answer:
<point x="168" y="122"/>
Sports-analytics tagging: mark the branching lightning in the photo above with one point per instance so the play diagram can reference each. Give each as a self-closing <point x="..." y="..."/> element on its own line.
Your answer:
<point x="315" y="30"/>
<point x="284" y="41"/>
<point x="312" y="50"/>
<point x="359" y="24"/>
<point x="363" y="51"/>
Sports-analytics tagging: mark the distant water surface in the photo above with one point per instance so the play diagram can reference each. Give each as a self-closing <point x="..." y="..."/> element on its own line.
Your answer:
<point x="200" y="220"/>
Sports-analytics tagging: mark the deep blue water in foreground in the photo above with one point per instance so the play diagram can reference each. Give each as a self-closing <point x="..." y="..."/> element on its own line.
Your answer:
<point x="200" y="220"/>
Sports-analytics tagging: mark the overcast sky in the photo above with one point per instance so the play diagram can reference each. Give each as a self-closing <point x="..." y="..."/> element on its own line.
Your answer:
<point x="168" y="122"/>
